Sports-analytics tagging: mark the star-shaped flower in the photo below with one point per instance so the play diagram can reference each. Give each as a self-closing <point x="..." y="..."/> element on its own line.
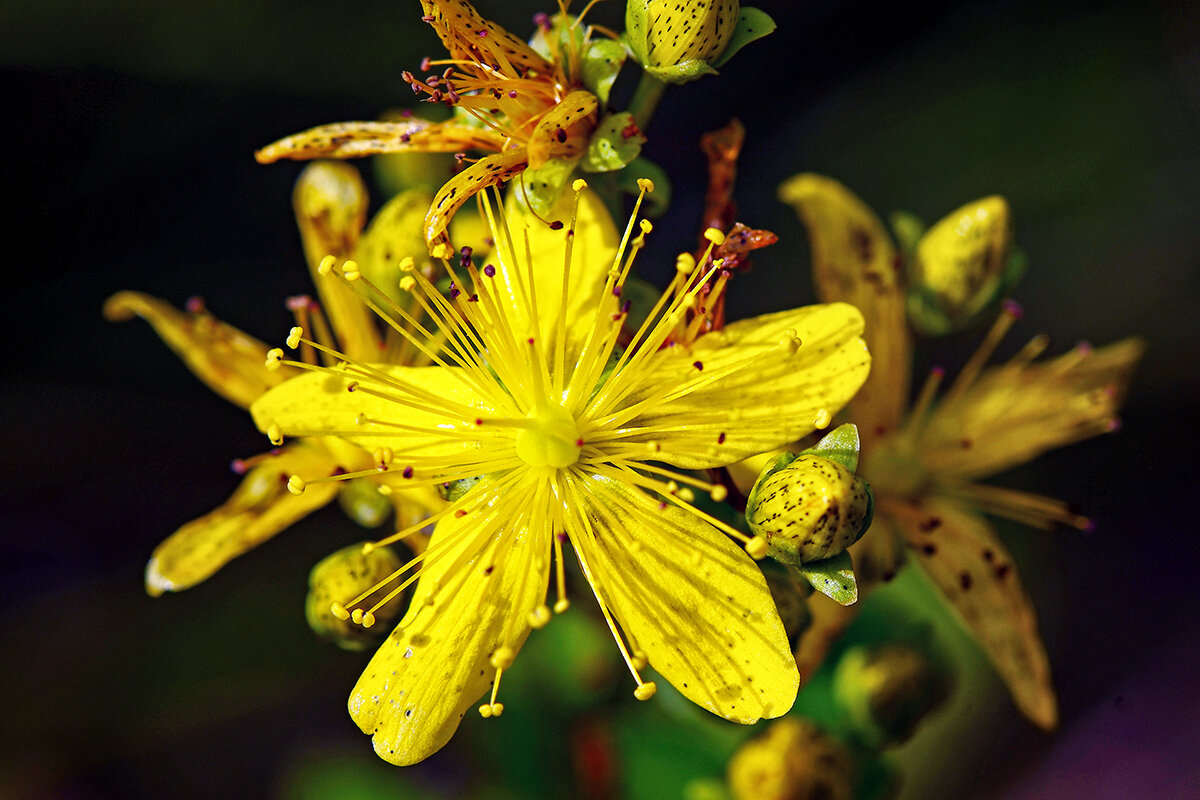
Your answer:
<point x="925" y="461"/>
<point x="551" y="430"/>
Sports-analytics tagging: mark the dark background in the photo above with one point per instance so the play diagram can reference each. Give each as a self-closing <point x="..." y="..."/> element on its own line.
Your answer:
<point x="129" y="128"/>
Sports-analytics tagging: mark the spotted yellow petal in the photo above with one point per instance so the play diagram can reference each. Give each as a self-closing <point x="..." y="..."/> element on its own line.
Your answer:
<point x="960" y="553"/>
<point x="355" y="139"/>
<point x="330" y="201"/>
<point x="487" y="171"/>
<point x="693" y="601"/>
<point x="855" y="262"/>
<point x="564" y="130"/>
<point x="413" y="401"/>
<point x="470" y="37"/>
<point x="230" y="362"/>
<point x="259" y="508"/>
<point x="1012" y="413"/>
<point x="749" y="387"/>
<point x="592" y="251"/>
<point x="476" y="592"/>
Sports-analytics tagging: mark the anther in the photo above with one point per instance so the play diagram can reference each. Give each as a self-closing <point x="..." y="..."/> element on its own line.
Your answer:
<point x="645" y="184"/>
<point x="441" y="250"/>
<point x="350" y="270"/>
<point x="339" y="611"/>
<point x="562" y="605"/>
<point x="407" y="283"/>
<point x="368" y="619"/>
<point x="490" y="270"/>
<point x="718" y="494"/>
<point x="274" y="434"/>
<point x="646" y="225"/>
<point x="296" y="485"/>
<point x="714" y="236"/>
<point x="645" y="691"/>
<point x="822" y="419"/>
<point x="326" y="265"/>
<point x="685" y="263"/>
<point x="503" y="657"/>
<point x="757" y="547"/>
<point x="293" y="339"/>
<point x="274" y="358"/>
<point x="356" y="616"/>
<point x="406" y="264"/>
<point x="539" y="617"/>
<point x="578" y="185"/>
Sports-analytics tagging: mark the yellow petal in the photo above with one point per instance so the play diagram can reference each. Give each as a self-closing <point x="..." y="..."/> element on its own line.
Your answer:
<point x="330" y="201"/>
<point x="563" y="131"/>
<point x="231" y="363"/>
<point x="259" y="508"/>
<point x="470" y="37"/>
<point x="475" y="595"/>
<point x="854" y="262"/>
<point x="355" y="139"/>
<point x="691" y="599"/>
<point x="487" y="171"/>
<point x="966" y="562"/>
<point x="960" y="261"/>
<point x="1012" y="414"/>
<point x="321" y="403"/>
<point x="751" y="393"/>
<point x="595" y="244"/>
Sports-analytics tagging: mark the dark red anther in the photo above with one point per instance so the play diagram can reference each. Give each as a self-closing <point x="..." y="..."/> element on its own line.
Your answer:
<point x="698" y="364"/>
<point x="631" y="130"/>
<point x="425" y="64"/>
<point x="483" y="33"/>
<point x="195" y="304"/>
<point x="556" y="225"/>
<point x="512" y="93"/>
<point x="408" y="472"/>
<point x="490" y="271"/>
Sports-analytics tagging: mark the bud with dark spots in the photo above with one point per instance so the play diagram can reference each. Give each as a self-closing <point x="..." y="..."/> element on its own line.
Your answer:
<point x="886" y="690"/>
<point x="341" y="577"/>
<point x="793" y="760"/>
<point x="678" y="42"/>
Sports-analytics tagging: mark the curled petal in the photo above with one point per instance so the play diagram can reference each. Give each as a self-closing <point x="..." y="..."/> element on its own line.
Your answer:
<point x="259" y="508"/>
<point x="487" y="171"/>
<point x="754" y="389"/>
<point x="691" y="599"/>
<point x="960" y="553"/>
<point x="469" y="37"/>
<point x="230" y="362"/>
<point x="476" y="591"/>
<point x="563" y="131"/>
<point x="854" y="262"/>
<point x="356" y="139"/>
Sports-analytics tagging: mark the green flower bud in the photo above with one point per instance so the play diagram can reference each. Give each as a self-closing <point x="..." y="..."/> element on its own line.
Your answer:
<point x="808" y="508"/>
<point x="792" y="760"/>
<point x="362" y="501"/>
<point x="678" y="42"/>
<point x="342" y="576"/>
<point x="886" y="690"/>
<point x="962" y="266"/>
<point x="791" y="599"/>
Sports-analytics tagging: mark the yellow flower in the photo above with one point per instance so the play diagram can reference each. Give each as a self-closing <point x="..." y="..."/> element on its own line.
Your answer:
<point x="523" y="108"/>
<point x="924" y="462"/>
<point x="330" y="201"/>
<point x="574" y="440"/>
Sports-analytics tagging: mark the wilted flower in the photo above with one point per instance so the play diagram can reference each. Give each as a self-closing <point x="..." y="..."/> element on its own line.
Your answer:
<point x="924" y="463"/>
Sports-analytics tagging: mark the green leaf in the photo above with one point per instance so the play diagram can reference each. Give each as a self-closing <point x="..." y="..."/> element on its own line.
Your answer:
<point x="614" y="144"/>
<point x="834" y="578"/>
<point x="908" y="228"/>
<point x="752" y="24"/>
<point x="656" y="202"/>
<point x="840" y="445"/>
<point x="601" y="63"/>
<point x="539" y="189"/>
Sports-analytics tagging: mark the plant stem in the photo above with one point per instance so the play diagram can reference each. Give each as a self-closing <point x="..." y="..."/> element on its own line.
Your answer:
<point x="645" y="99"/>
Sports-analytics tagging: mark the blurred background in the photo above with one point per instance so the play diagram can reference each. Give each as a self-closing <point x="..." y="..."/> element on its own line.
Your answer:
<point x="129" y="141"/>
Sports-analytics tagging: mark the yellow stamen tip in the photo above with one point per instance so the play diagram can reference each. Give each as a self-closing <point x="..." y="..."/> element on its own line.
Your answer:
<point x="757" y="547"/>
<point x="296" y="485"/>
<point x="275" y="434"/>
<point x="685" y="263"/>
<point x="714" y="236"/>
<point x="441" y="250"/>
<point x="539" y="617"/>
<point x="645" y="184"/>
<point x="274" y="358"/>
<point x="718" y="494"/>
<point x="368" y="548"/>
<point x="293" y="339"/>
<point x="485" y="710"/>
<point x="645" y="225"/>
<point x="579" y="184"/>
<point x="503" y="657"/>
<point x="326" y="265"/>
<point x="686" y="495"/>
<point x="822" y="419"/>
<point x="406" y="264"/>
<point x="645" y="691"/>
<point x="339" y="611"/>
<point x="639" y="660"/>
<point x="497" y="709"/>
<point x="562" y="605"/>
<point x="350" y="270"/>
<point x="356" y="616"/>
<point x="368" y="619"/>
<point x="407" y="283"/>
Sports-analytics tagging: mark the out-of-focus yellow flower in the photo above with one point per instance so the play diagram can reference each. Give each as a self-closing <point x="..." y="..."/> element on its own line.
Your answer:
<point x="572" y="439"/>
<point x="330" y="202"/>
<point x="792" y="760"/>
<point x="521" y="107"/>
<point x="924" y="462"/>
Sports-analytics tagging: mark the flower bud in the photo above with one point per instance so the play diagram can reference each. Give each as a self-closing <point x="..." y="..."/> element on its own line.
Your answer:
<point x="679" y="42"/>
<point x="342" y="576"/>
<point x="791" y="599"/>
<point x="793" y="760"/>
<point x="364" y="503"/>
<point x="886" y="690"/>
<point x="808" y="509"/>
<point x="962" y="266"/>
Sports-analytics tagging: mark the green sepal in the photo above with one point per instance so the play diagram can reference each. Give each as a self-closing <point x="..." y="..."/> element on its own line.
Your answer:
<point x="453" y="490"/>
<point x="656" y="202"/>
<point x="840" y="445"/>
<point x="600" y="66"/>
<point x="908" y="229"/>
<point x="539" y="189"/>
<point x="361" y="500"/>
<point x="833" y="577"/>
<point x="610" y="148"/>
<point x="683" y="72"/>
<point x="753" y="23"/>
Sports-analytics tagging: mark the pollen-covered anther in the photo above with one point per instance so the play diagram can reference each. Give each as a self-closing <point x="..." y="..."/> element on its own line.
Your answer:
<point x="539" y="617"/>
<point x="578" y="185"/>
<point x="645" y="184"/>
<point x="718" y="493"/>
<point x="491" y="710"/>
<point x="350" y="270"/>
<point x="293" y="339"/>
<point x="441" y="250"/>
<point x="356" y="616"/>
<point x="406" y="264"/>
<point x="296" y="485"/>
<point x="368" y="619"/>
<point x="645" y="691"/>
<point x="338" y="610"/>
<point x="274" y="434"/>
<point x="562" y="605"/>
<point x="326" y="265"/>
<point x="274" y="358"/>
<point x="790" y="342"/>
<point x="715" y="236"/>
<point x="685" y="263"/>
<point x="822" y="418"/>
<point x="757" y="548"/>
<point x="503" y="657"/>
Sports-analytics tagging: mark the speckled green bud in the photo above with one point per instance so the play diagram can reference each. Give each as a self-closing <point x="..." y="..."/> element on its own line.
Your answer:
<point x="679" y="41"/>
<point x="808" y="509"/>
<point x="886" y="690"/>
<point x="339" y="578"/>
<point x="793" y="760"/>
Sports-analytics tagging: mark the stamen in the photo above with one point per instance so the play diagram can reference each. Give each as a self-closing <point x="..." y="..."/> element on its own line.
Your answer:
<point x="1004" y="321"/>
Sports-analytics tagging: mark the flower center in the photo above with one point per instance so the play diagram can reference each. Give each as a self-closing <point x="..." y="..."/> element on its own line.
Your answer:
<point x="551" y="439"/>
